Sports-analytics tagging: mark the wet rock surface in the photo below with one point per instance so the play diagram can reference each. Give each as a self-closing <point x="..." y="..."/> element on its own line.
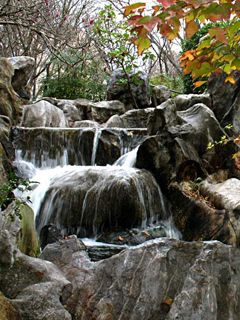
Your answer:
<point x="89" y="200"/>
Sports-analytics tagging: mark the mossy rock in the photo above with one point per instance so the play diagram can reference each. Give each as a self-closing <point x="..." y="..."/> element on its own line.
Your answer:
<point x="8" y="312"/>
<point x="27" y="239"/>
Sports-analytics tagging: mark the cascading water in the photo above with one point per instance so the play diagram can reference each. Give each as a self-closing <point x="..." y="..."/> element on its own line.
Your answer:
<point x="89" y="200"/>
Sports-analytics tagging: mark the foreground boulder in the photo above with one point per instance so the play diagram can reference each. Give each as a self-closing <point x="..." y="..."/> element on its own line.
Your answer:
<point x="43" y="114"/>
<point x="34" y="287"/>
<point x="89" y="200"/>
<point x="144" y="283"/>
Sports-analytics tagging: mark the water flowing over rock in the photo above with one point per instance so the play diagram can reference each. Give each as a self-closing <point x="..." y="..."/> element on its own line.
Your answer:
<point x="43" y="114"/>
<point x="118" y="89"/>
<point x="50" y="147"/>
<point x="145" y="283"/>
<point x="89" y="200"/>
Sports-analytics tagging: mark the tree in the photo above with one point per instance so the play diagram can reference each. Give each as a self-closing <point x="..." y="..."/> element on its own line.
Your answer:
<point x="43" y="29"/>
<point x="218" y="51"/>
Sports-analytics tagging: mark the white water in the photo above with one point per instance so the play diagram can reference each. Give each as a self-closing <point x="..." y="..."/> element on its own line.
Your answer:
<point x="97" y="136"/>
<point x="128" y="159"/>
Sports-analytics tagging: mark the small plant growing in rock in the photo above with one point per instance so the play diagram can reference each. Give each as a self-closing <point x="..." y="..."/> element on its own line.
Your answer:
<point x="7" y="191"/>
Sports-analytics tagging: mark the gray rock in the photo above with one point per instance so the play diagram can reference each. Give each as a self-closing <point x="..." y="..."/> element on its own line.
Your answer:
<point x="160" y="94"/>
<point x="136" y="118"/>
<point x="118" y="89"/>
<point x="86" y="124"/>
<point x="23" y="68"/>
<point x="115" y="122"/>
<point x="185" y="101"/>
<point x="43" y="114"/>
<point x="34" y="287"/>
<point x="223" y="95"/>
<point x="103" y="110"/>
<point x="225" y="194"/>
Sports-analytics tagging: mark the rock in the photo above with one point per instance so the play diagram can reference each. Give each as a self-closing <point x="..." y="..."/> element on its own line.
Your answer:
<point x="27" y="240"/>
<point x="60" y="252"/>
<point x="224" y="195"/>
<point x="185" y="101"/>
<point x="23" y="67"/>
<point x="49" y="234"/>
<point x="200" y="127"/>
<point x="197" y="218"/>
<point x="160" y="94"/>
<point x="34" y="286"/>
<point x="103" y="110"/>
<point x="108" y="148"/>
<point x="163" y="116"/>
<point x="136" y="118"/>
<point x="115" y="122"/>
<point x="9" y="101"/>
<point x="99" y="199"/>
<point x="118" y="89"/>
<point x="223" y="95"/>
<point x="134" y="236"/>
<point x="131" y="119"/>
<point x="169" y="159"/>
<point x="42" y="114"/>
<point x="145" y="283"/>
<point x="8" y="312"/>
<point x="71" y="113"/>
<point x="86" y="124"/>
<point x="97" y="253"/>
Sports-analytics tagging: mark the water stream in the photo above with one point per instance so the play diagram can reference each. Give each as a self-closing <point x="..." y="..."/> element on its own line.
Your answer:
<point x="89" y="200"/>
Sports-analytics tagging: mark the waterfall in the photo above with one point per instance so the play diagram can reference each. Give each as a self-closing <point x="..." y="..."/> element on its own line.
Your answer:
<point x="97" y="136"/>
<point x="83" y="199"/>
<point x="128" y="159"/>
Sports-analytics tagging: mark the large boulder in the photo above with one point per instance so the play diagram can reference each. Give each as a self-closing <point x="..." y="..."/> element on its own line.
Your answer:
<point x="223" y="95"/>
<point x="163" y="279"/>
<point x="98" y="199"/>
<point x="34" y="287"/>
<point x="23" y="67"/>
<point x="103" y="110"/>
<point x="118" y="89"/>
<point x="43" y="114"/>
